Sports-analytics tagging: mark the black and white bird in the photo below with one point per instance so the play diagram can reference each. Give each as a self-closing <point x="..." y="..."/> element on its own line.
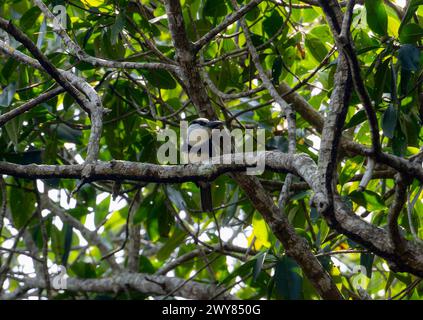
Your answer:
<point x="200" y="135"/>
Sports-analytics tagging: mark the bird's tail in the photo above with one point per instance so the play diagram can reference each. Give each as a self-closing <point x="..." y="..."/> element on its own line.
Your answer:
<point x="206" y="197"/>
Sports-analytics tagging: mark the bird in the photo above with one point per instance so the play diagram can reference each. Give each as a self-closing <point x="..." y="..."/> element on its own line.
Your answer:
<point x="200" y="133"/>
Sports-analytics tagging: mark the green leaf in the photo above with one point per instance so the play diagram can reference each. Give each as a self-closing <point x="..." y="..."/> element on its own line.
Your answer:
<point x="117" y="27"/>
<point x="160" y="79"/>
<point x="377" y="18"/>
<point x="381" y="79"/>
<point x="366" y="260"/>
<point x="322" y="234"/>
<point x="411" y="33"/>
<point x="261" y="230"/>
<point x="316" y="47"/>
<point x="174" y="241"/>
<point x="6" y="97"/>
<point x="413" y="5"/>
<point x="213" y="8"/>
<point x="68" y="231"/>
<point x="242" y="271"/>
<point x="368" y="199"/>
<point x="145" y="265"/>
<point x="399" y="142"/>
<point x="84" y="270"/>
<point x="13" y="129"/>
<point x="356" y="119"/>
<point x="259" y="264"/>
<point x="253" y="14"/>
<point x="57" y="241"/>
<point x="28" y="19"/>
<point x="288" y="279"/>
<point x="176" y="197"/>
<point x="409" y="56"/>
<point x="276" y="70"/>
<point x="350" y="168"/>
<point x="156" y="216"/>
<point x="272" y="23"/>
<point x="389" y="121"/>
<point x="22" y="205"/>
<point x="102" y="210"/>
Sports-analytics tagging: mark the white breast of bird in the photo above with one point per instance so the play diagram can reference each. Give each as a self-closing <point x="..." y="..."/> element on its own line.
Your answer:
<point x="198" y="140"/>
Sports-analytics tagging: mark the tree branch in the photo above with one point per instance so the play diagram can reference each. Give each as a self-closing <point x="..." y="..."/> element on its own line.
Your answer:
<point x="83" y="56"/>
<point x="30" y="104"/>
<point x="233" y="17"/>
<point x="147" y="284"/>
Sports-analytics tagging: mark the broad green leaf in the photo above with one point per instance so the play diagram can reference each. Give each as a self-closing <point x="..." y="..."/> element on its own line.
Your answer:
<point x="22" y="205"/>
<point x="322" y="234"/>
<point x="145" y="265"/>
<point x="215" y="9"/>
<point x="413" y="5"/>
<point x="260" y="231"/>
<point x="160" y="79"/>
<point x="350" y="168"/>
<point x="272" y="23"/>
<point x="356" y="119"/>
<point x="84" y="270"/>
<point x="117" y="27"/>
<point x="399" y="142"/>
<point x="377" y="18"/>
<point x="409" y="56"/>
<point x="68" y="231"/>
<point x="174" y="241"/>
<point x="382" y="79"/>
<point x="241" y="271"/>
<point x="316" y="47"/>
<point x="366" y="260"/>
<point x="259" y="264"/>
<point x="93" y="3"/>
<point x="288" y="279"/>
<point x="29" y="17"/>
<point x="368" y="199"/>
<point x="102" y="210"/>
<point x="411" y="33"/>
<point x="13" y="129"/>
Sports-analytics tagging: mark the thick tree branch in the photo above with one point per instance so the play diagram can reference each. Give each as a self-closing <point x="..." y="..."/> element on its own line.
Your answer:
<point x="148" y="284"/>
<point x="186" y="59"/>
<point x="341" y="31"/>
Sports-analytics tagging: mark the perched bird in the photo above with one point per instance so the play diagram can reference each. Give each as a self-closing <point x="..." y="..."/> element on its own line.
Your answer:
<point x="200" y="133"/>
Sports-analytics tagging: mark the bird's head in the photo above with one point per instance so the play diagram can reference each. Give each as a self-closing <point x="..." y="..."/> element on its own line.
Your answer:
<point x="206" y="123"/>
<point x="200" y="130"/>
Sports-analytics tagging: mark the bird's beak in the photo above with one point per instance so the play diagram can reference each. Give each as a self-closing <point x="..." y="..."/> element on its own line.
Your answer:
<point x="214" y="124"/>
